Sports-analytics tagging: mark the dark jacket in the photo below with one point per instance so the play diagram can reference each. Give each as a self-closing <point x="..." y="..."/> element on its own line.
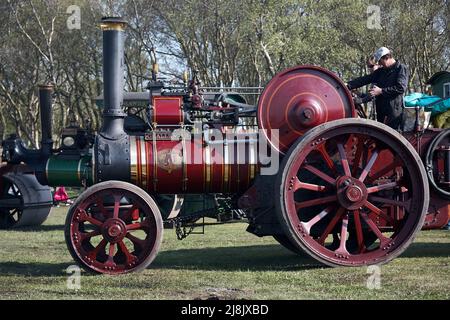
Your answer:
<point x="393" y="81"/>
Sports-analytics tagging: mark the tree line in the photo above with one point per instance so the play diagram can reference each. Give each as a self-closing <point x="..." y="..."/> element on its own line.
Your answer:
<point x="229" y="43"/>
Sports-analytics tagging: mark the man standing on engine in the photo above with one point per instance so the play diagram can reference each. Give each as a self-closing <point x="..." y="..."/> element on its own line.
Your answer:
<point x="389" y="83"/>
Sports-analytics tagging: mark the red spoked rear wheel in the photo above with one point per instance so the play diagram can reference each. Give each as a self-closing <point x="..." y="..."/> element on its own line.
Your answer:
<point x="114" y="227"/>
<point x="352" y="192"/>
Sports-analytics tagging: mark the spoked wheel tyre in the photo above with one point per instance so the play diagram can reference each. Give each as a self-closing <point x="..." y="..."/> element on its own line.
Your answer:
<point x="114" y="227"/>
<point x="352" y="192"/>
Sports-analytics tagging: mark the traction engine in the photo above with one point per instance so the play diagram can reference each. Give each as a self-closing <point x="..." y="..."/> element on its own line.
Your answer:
<point x="301" y="166"/>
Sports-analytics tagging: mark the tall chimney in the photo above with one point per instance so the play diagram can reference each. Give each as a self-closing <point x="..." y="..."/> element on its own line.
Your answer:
<point x="113" y="73"/>
<point x="45" y="103"/>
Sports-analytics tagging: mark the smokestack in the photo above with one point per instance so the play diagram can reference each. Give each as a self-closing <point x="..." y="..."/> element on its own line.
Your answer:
<point x="113" y="73"/>
<point x="45" y="103"/>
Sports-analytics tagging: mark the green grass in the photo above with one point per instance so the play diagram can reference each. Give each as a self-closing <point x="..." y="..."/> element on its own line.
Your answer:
<point x="225" y="263"/>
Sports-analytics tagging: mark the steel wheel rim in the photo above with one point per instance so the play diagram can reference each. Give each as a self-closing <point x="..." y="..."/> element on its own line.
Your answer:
<point x="118" y="249"/>
<point x="303" y="228"/>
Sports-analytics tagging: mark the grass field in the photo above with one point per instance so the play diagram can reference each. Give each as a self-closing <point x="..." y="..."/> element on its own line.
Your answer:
<point x="225" y="263"/>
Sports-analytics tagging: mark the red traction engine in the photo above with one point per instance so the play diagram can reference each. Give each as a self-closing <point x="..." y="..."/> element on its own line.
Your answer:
<point x="300" y="166"/>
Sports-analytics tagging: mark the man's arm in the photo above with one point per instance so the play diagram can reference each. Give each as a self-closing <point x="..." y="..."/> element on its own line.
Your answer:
<point x="362" y="81"/>
<point x="400" y="84"/>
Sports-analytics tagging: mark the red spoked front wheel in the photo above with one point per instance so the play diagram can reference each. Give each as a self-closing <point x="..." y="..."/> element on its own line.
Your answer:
<point x="352" y="192"/>
<point x="114" y="227"/>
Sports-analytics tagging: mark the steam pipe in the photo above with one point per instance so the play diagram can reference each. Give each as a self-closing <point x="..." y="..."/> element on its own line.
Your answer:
<point x="45" y="102"/>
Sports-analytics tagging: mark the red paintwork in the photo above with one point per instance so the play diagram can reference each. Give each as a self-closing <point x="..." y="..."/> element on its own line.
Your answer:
<point x="438" y="213"/>
<point x="439" y="209"/>
<point x="348" y="199"/>
<point x="195" y="168"/>
<point x="167" y="111"/>
<point x="112" y="247"/>
<point x="299" y="99"/>
<point x="339" y="213"/>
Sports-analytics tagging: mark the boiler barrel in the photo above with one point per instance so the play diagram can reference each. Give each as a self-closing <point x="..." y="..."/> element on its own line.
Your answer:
<point x="61" y="171"/>
<point x="166" y="166"/>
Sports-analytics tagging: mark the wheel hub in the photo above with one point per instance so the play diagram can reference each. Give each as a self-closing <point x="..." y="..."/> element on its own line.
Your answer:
<point x="354" y="194"/>
<point x="114" y="230"/>
<point x="351" y="193"/>
<point x="307" y="114"/>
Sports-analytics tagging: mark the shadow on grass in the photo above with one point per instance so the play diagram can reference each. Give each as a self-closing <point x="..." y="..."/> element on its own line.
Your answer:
<point x="252" y="258"/>
<point x="33" y="269"/>
<point x="266" y="257"/>
<point x="43" y="228"/>
<point x="427" y="250"/>
<point x="246" y="258"/>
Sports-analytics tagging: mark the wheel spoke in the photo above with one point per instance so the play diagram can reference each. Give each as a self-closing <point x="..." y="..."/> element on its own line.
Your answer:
<point x="100" y="206"/>
<point x="100" y="247"/>
<point x="111" y="252"/>
<point x="385" y="186"/>
<point x="116" y="206"/>
<point x="134" y="226"/>
<point x="369" y="166"/>
<point x="320" y="174"/>
<point x="315" y="202"/>
<point x="326" y="157"/>
<point x="297" y="185"/>
<point x="358" y="155"/>
<point x="308" y="225"/>
<point x="130" y="257"/>
<point x="92" y="220"/>
<point x="312" y="187"/>
<point x="398" y="203"/>
<point x="138" y="226"/>
<point x="85" y="217"/>
<point x="331" y="225"/>
<point x="383" y="240"/>
<point x="378" y="211"/>
<point x="88" y="235"/>
<point x="344" y="161"/>
<point x="136" y="241"/>
<point x="359" y="231"/>
<point x="344" y="232"/>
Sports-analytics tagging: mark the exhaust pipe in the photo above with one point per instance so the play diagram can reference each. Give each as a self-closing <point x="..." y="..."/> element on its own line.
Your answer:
<point x="15" y="151"/>
<point x="113" y="74"/>
<point x="45" y="103"/>
<point x="111" y="158"/>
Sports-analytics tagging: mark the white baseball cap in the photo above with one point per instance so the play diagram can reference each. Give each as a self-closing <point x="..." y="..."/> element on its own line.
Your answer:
<point x="380" y="53"/>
